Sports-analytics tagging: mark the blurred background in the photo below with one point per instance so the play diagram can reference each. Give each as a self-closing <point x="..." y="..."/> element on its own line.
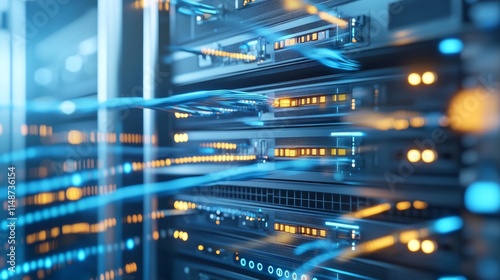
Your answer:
<point x="161" y="139"/>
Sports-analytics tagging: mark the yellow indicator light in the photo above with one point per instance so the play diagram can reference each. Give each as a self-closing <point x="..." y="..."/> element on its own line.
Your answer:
<point x="293" y="153"/>
<point x="322" y="99"/>
<point x="420" y="205"/>
<point x="276" y="45"/>
<point x="414" y="245"/>
<point x="293" y="229"/>
<point x="240" y="56"/>
<point x="407" y="236"/>
<point x="371" y="211"/>
<point x="315" y="36"/>
<point x="284" y="102"/>
<point x="334" y="98"/>
<point x="322" y="152"/>
<point x="403" y="205"/>
<point x="314" y="231"/>
<point x="401" y="124"/>
<point x="341" y="152"/>
<point x="276" y="152"/>
<point x="428" y="246"/>
<point x="428" y="78"/>
<point x="414" y="79"/>
<point x="413" y="155"/>
<point x="417" y="122"/>
<point x="184" y="236"/>
<point x="176" y="234"/>
<point x="334" y="152"/>
<point x="282" y="227"/>
<point x="314" y="152"/>
<point x="287" y="152"/>
<point x="342" y="97"/>
<point x="322" y="233"/>
<point x="314" y="100"/>
<point x="428" y="156"/>
<point x="287" y="228"/>
<point x="312" y="10"/>
<point x="217" y="252"/>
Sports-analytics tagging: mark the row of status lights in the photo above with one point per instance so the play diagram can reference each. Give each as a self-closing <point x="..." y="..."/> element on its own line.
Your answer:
<point x="237" y="56"/>
<point x="113" y="273"/>
<point x="76" y="137"/>
<point x="427" y="246"/>
<point x="71" y="229"/>
<point x="181" y="115"/>
<point x="72" y="194"/>
<point x="270" y="269"/>
<point x="313" y="232"/>
<point x="427" y="78"/>
<point x="219" y="145"/>
<point x="181" y="137"/>
<point x="295" y="152"/>
<point x="182" y="235"/>
<point x="41" y="130"/>
<point x="209" y="249"/>
<point x="427" y="156"/>
<point x="314" y="36"/>
<point x="183" y="205"/>
<point x="194" y="159"/>
<point x="306" y="101"/>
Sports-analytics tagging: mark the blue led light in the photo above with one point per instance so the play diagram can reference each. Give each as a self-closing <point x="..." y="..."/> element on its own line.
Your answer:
<point x="40" y="263"/>
<point x="483" y="197"/>
<point x="341" y="134"/>
<point x="33" y="265"/>
<point x="53" y="212"/>
<point x="48" y="263"/>
<point x="61" y="258"/>
<point x="259" y="266"/>
<point x="333" y="224"/>
<point x="270" y="269"/>
<point x="81" y="255"/>
<point x="5" y="275"/>
<point x="29" y="218"/>
<point x="243" y="262"/>
<point x="452" y="278"/>
<point x="450" y="46"/>
<point x="127" y="167"/>
<point x="71" y="207"/>
<point x="251" y="264"/>
<point x="130" y="244"/>
<point x="26" y="268"/>
<point x="76" y="179"/>
<point x="448" y="224"/>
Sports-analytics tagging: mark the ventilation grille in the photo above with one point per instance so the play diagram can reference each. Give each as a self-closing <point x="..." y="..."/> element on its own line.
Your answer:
<point x="289" y="198"/>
